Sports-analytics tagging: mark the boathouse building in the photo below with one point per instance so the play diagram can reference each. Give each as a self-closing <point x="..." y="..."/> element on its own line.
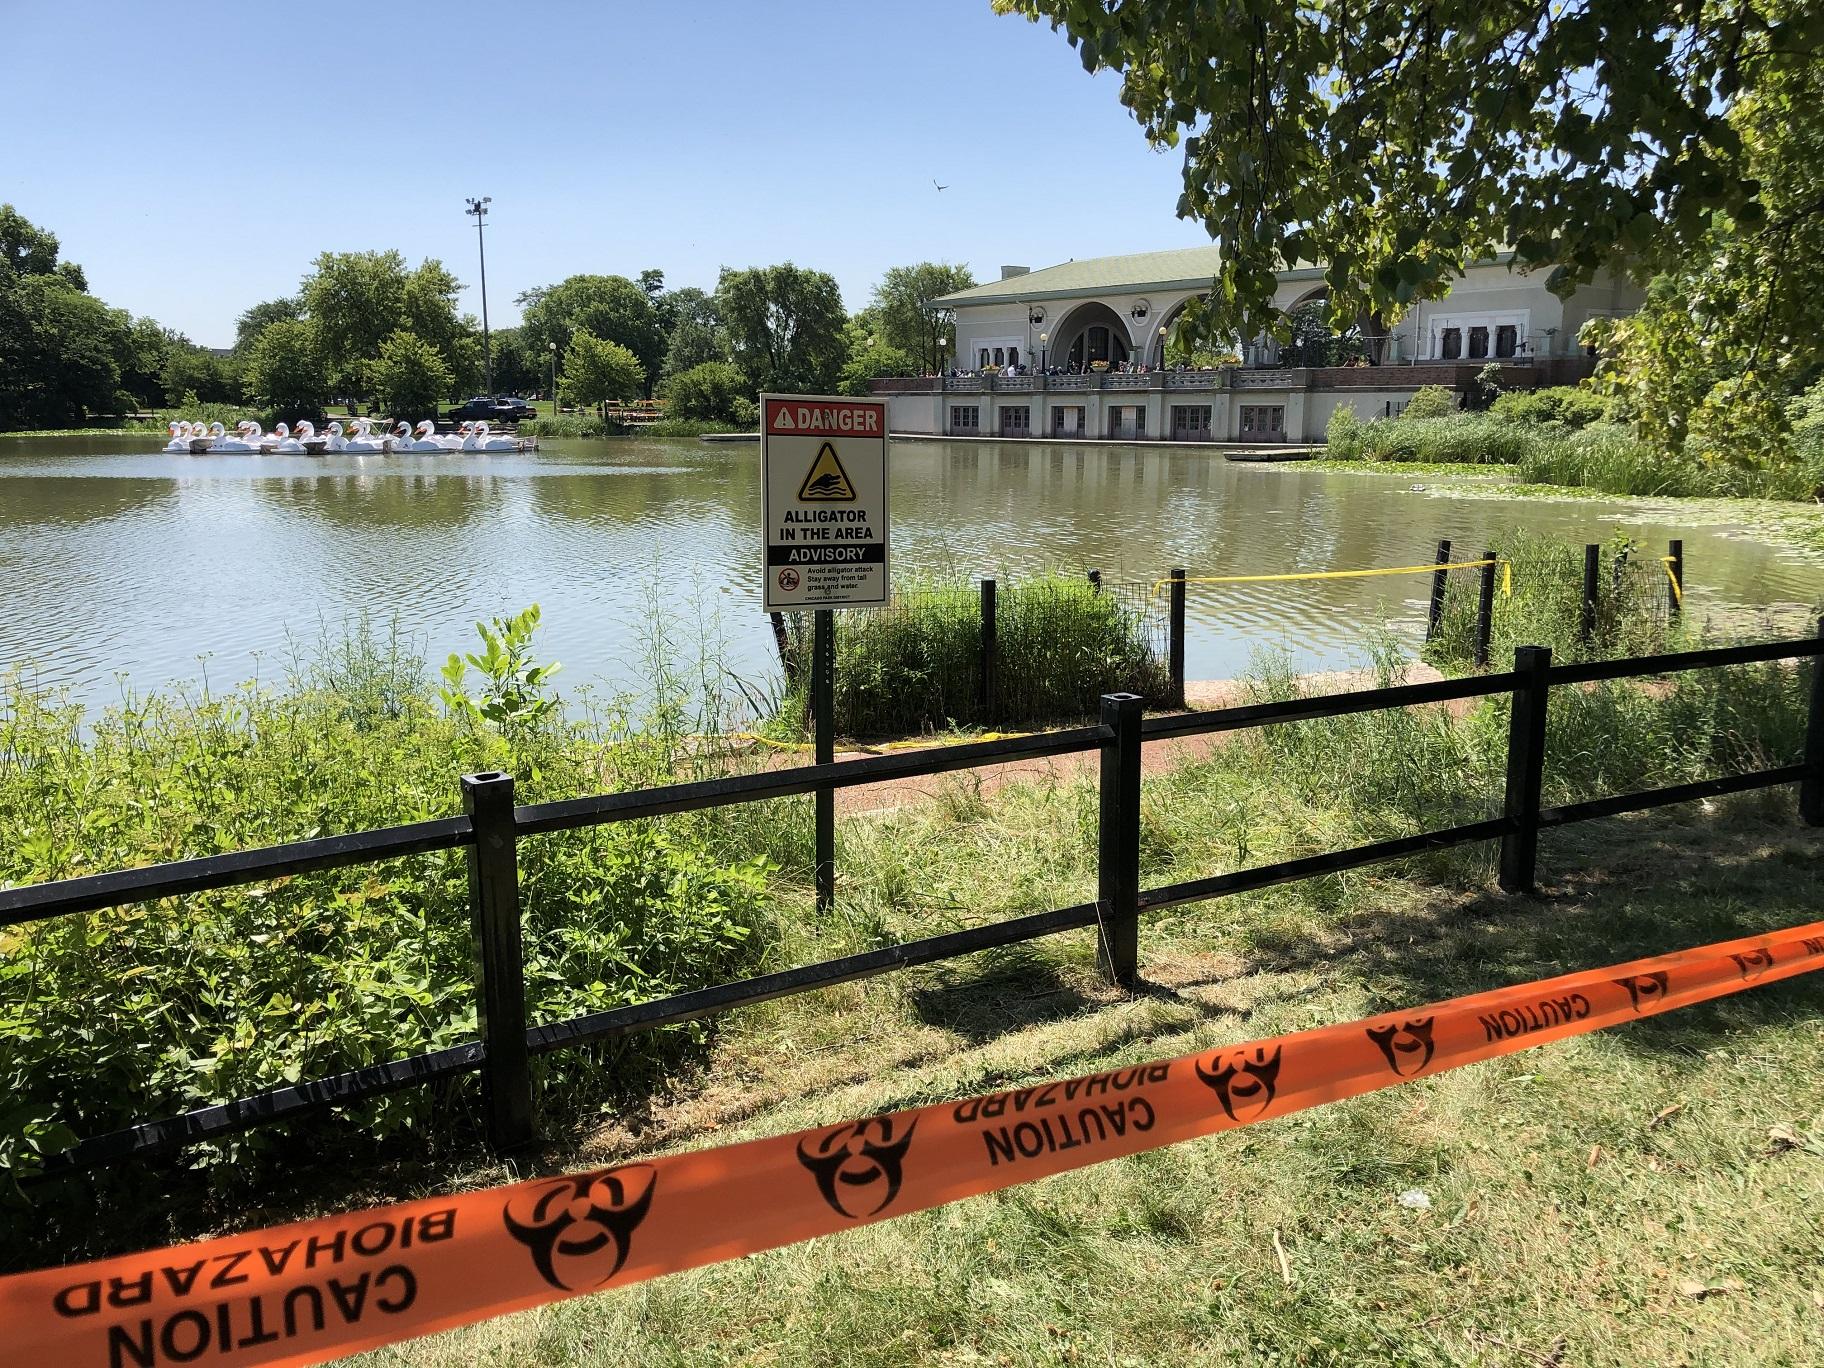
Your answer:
<point x="1080" y="350"/>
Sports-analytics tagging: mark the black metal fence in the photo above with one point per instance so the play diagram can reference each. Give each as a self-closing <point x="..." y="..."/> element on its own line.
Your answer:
<point x="492" y="826"/>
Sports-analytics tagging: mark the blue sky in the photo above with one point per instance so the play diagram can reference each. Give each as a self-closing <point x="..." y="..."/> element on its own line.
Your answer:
<point x="195" y="156"/>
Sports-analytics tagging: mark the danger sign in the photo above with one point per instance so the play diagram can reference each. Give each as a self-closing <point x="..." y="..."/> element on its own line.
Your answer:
<point x="823" y="482"/>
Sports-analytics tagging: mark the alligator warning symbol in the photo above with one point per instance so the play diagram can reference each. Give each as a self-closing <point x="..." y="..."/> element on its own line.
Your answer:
<point x="827" y="481"/>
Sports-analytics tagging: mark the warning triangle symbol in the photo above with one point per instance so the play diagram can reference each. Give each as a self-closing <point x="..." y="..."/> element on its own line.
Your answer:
<point x="827" y="481"/>
<point x="782" y="422"/>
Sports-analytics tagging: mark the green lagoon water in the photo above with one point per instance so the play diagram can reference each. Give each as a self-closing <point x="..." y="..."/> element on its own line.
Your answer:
<point x="117" y="560"/>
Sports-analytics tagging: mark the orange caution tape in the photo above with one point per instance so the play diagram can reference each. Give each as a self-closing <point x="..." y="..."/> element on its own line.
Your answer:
<point x="318" y="1289"/>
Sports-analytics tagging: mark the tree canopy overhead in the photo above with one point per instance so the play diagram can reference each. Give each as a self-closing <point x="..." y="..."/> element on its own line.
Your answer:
<point x="1396" y="143"/>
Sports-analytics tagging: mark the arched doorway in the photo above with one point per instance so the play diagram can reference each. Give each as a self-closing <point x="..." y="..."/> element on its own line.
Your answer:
<point x="1089" y="333"/>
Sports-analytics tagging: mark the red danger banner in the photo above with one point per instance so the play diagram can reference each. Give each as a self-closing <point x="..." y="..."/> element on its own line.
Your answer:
<point x="319" y="1289"/>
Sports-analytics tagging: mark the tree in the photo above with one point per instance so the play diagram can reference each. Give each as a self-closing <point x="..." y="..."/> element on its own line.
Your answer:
<point x="516" y="369"/>
<point x="1312" y="341"/>
<point x="1734" y="328"/>
<point x="287" y="371"/>
<point x="695" y="334"/>
<point x="907" y="318"/>
<point x="1397" y="143"/>
<point x="59" y="351"/>
<point x="410" y="377"/>
<point x="355" y="300"/>
<point x="249" y="326"/>
<point x="784" y="327"/>
<point x="60" y="348"/>
<point x="190" y="369"/>
<point x="870" y="361"/>
<point x="610" y="308"/>
<point x="713" y="392"/>
<point x="598" y="371"/>
<point x="25" y="248"/>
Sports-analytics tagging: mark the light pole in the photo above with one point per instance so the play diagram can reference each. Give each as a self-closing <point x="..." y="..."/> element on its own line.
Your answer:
<point x="553" y="349"/>
<point x="1162" y="346"/>
<point x="1043" y="339"/>
<point x="479" y="209"/>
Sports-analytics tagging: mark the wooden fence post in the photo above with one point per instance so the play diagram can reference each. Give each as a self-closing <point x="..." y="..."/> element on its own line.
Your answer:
<point x="1485" y="610"/>
<point x="823" y="701"/>
<point x="990" y="651"/>
<point x="1118" y="839"/>
<point x="1592" y="574"/>
<point x="1525" y="768"/>
<point x="500" y="973"/>
<point x="1175" y="637"/>
<point x="1811" y="787"/>
<point x="1440" y="583"/>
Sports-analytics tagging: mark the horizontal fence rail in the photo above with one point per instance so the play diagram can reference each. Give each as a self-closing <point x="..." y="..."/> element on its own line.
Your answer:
<point x="492" y="825"/>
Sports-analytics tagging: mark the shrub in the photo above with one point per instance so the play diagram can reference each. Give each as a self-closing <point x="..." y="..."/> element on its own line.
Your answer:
<point x="1545" y="607"/>
<point x="1431" y="401"/>
<point x="916" y="665"/>
<point x="1343" y="434"/>
<point x="712" y="392"/>
<point x="202" y="999"/>
<point x="1571" y="405"/>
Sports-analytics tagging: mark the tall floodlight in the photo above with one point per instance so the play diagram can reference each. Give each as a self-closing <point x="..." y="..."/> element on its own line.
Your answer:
<point x="479" y="208"/>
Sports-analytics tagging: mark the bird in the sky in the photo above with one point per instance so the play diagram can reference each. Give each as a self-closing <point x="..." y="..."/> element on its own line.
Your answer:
<point x="941" y="188"/>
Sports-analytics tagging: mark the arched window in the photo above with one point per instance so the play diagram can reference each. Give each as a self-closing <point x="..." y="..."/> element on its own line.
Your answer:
<point x="1000" y="356"/>
<point x="984" y="360"/>
<point x="1013" y="356"/>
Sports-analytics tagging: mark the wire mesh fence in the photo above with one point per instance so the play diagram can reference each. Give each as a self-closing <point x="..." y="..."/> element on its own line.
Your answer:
<point x="1630" y="613"/>
<point x="1045" y="651"/>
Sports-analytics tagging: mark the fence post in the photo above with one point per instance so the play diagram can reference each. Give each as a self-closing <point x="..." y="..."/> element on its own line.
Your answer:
<point x="1095" y="581"/>
<point x="1525" y="768"/>
<point x="990" y="651"/>
<point x="1175" y="637"/>
<point x="1592" y="574"/>
<point x="1485" y="610"/>
<point x="500" y="975"/>
<point x="823" y="704"/>
<point x="1811" y="787"/>
<point x="1675" y="586"/>
<point x="1118" y="839"/>
<point x="1440" y="582"/>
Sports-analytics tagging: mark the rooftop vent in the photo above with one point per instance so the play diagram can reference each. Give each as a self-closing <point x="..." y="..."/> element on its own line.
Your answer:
<point x="1009" y="272"/>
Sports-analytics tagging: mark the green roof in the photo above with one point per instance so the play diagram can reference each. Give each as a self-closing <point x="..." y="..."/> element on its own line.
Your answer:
<point x="1186" y="268"/>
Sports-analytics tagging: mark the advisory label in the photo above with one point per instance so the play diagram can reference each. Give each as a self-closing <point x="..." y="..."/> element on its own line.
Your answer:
<point x="823" y="492"/>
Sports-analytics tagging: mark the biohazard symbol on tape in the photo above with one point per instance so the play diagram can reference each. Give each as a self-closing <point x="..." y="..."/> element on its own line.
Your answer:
<point x="1406" y="1044"/>
<point x="579" y="1228"/>
<point x="827" y="481"/>
<point x="859" y="1167"/>
<point x="1245" y="1087"/>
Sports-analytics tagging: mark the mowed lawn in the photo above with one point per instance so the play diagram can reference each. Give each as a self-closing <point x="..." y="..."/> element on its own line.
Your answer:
<point x="1648" y="1195"/>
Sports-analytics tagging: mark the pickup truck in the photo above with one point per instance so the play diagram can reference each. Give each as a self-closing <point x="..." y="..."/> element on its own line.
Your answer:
<point x="493" y="410"/>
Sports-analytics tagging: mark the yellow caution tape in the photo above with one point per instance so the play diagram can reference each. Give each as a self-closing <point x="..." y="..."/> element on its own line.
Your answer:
<point x="1507" y="574"/>
<point x="1678" y="590"/>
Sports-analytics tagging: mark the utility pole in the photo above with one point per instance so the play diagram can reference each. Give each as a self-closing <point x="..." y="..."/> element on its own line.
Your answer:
<point x="479" y="209"/>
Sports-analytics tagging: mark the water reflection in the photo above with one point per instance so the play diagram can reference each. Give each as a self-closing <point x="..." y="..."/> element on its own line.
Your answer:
<point x="117" y="557"/>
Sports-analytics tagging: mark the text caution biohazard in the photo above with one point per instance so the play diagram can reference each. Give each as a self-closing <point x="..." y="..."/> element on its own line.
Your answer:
<point x="823" y="480"/>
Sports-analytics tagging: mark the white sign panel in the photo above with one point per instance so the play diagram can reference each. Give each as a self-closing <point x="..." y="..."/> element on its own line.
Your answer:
<point x="823" y="482"/>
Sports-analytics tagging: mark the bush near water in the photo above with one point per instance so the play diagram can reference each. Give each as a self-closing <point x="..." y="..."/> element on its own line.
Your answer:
<point x="152" y="1009"/>
<point x="1564" y="436"/>
<point x="916" y="665"/>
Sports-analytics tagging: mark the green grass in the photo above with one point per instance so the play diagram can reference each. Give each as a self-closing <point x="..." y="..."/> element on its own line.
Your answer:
<point x="1572" y="1189"/>
<point x="1561" y="1209"/>
<point x="1601" y="457"/>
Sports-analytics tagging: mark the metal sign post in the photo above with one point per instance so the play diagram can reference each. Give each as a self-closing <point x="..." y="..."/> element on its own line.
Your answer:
<point x="823" y="491"/>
